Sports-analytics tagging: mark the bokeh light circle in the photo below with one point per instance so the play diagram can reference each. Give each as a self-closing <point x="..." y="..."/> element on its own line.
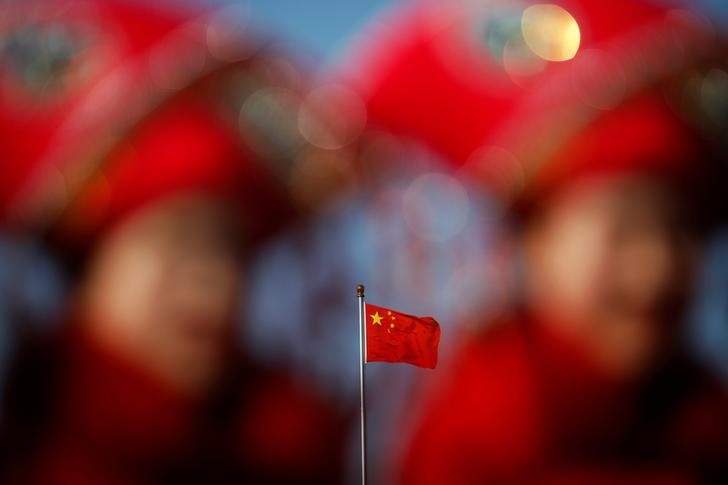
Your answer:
<point x="436" y="207"/>
<point x="551" y="32"/>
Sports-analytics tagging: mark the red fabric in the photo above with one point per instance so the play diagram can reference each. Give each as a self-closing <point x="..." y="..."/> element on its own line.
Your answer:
<point x="392" y="336"/>
<point x="115" y="423"/>
<point x="643" y="137"/>
<point x="524" y="406"/>
<point x="122" y="32"/>
<point x="112" y="419"/>
<point x="286" y="428"/>
<point x="169" y="142"/>
<point x="183" y="149"/>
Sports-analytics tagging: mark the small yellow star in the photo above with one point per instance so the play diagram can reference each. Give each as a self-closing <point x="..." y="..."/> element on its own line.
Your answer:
<point x="376" y="319"/>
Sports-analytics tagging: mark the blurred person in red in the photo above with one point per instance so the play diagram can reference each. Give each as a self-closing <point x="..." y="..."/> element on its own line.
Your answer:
<point x="129" y="146"/>
<point x="600" y="125"/>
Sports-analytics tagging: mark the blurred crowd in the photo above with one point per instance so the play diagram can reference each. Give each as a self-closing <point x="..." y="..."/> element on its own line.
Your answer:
<point x="186" y="207"/>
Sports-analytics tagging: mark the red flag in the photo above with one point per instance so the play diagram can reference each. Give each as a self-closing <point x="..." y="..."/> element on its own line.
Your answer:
<point x="396" y="337"/>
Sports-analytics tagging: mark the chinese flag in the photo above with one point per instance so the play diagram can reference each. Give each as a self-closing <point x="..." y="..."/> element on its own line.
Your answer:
<point x="396" y="337"/>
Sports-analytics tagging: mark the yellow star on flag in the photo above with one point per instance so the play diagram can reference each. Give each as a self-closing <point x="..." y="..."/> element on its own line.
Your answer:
<point x="376" y="319"/>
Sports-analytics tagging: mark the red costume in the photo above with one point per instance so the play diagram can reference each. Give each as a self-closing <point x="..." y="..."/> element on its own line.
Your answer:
<point x="524" y="404"/>
<point x="84" y="414"/>
<point x="128" y="116"/>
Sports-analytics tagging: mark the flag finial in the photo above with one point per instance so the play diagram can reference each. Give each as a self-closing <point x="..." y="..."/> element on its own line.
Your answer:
<point x="359" y="290"/>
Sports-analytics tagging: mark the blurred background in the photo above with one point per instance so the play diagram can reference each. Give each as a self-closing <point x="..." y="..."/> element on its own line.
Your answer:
<point x="422" y="240"/>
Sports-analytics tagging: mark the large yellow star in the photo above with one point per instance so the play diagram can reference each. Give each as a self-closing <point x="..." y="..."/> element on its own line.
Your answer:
<point x="376" y="319"/>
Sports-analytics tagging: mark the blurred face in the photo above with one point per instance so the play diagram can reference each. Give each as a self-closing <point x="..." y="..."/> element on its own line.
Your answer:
<point x="611" y="264"/>
<point x="162" y="288"/>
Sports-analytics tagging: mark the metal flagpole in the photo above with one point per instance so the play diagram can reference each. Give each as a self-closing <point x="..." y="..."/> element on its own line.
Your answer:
<point x="362" y="359"/>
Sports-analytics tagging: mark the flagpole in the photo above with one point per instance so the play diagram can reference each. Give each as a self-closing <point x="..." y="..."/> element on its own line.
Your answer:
<point x="362" y="359"/>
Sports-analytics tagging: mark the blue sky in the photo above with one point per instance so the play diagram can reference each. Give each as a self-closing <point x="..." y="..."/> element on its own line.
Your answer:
<point x="323" y="27"/>
<point x="319" y="27"/>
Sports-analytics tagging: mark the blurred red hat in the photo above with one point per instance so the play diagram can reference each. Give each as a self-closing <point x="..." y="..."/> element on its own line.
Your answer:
<point x="68" y="74"/>
<point x="526" y="96"/>
<point x="107" y="105"/>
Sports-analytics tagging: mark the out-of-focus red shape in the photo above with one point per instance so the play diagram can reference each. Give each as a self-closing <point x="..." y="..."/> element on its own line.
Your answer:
<point x="144" y="141"/>
<point x="115" y="423"/>
<point x="424" y="74"/>
<point x="528" y="401"/>
<point x="530" y="407"/>
<point x="118" y="137"/>
<point x="411" y="90"/>
<point x="29" y="131"/>
<point x="183" y="148"/>
<point x="396" y="337"/>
